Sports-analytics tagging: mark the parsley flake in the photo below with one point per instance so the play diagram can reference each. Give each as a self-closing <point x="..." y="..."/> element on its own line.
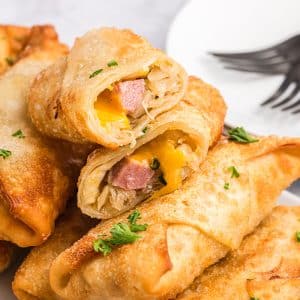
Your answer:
<point x="298" y="236"/>
<point x="19" y="134"/>
<point x="9" y="61"/>
<point x="121" y="234"/>
<point x="234" y="172"/>
<point x="226" y="186"/>
<point x="240" y="135"/>
<point x="95" y="73"/>
<point x="145" y="129"/>
<point x="4" y="153"/>
<point x="132" y="219"/>
<point x="155" y="164"/>
<point x="254" y="298"/>
<point x="112" y="63"/>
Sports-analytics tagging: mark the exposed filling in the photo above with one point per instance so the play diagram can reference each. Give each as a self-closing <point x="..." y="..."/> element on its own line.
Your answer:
<point x="123" y="102"/>
<point x="157" y="168"/>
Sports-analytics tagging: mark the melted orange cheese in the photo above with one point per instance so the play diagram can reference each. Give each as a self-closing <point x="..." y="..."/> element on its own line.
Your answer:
<point x="109" y="109"/>
<point x="171" y="160"/>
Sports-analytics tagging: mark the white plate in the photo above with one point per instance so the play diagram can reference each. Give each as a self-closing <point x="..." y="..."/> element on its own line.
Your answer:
<point x="235" y="25"/>
<point x="286" y="198"/>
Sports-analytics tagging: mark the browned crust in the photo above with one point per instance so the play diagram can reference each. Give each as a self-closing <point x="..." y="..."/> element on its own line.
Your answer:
<point x="266" y="266"/>
<point x="39" y="176"/>
<point x="266" y="168"/>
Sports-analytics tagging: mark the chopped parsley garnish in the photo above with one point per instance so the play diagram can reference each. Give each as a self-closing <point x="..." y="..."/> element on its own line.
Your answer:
<point x="5" y="153"/>
<point x="19" y="134"/>
<point x="132" y="219"/>
<point x="121" y="234"/>
<point x="240" y="135"/>
<point x="112" y="63"/>
<point x="162" y="179"/>
<point x="95" y="73"/>
<point x="226" y="186"/>
<point x="9" y="61"/>
<point x="145" y="129"/>
<point x="254" y="298"/>
<point x="155" y="164"/>
<point x="298" y="236"/>
<point x="234" y="172"/>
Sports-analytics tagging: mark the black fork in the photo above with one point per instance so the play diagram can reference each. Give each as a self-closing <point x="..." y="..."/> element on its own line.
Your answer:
<point x="283" y="58"/>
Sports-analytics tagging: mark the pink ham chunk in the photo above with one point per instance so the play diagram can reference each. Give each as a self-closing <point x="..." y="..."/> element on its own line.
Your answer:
<point x="130" y="94"/>
<point x="130" y="174"/>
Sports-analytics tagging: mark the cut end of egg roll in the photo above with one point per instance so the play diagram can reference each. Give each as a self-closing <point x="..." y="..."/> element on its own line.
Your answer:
<point x="188" y="230"/>
<point x="7" y="255"/>
<point x="106" y="90"/>
<point x="31" y="281"/>
<point x="169" y="152"/>
<point x="266" y="266"/>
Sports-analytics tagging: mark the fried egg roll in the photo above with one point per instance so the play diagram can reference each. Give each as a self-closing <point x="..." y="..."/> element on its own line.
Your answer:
<point x="266" y="266"/>
<point x="37" y="174"/>
<point x="188" y="230"/>
<point x="31" y="281"/>
<point x="106" y="90"/>
<point x="13" y="40"/>
<point x="170" y="151"/>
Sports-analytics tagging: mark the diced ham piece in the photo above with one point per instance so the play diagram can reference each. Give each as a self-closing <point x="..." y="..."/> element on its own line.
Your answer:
<point x="130" y="94"/>
<point x="130" y="174"/>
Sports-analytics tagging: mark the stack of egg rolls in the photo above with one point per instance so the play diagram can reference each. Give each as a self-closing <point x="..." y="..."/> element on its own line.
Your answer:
<point x="113" y="182"/>
<point x="37" y="174"/>
<point x="188" y="230"/>
<point x="266" y="266"/>
<point x="106" y="90"/>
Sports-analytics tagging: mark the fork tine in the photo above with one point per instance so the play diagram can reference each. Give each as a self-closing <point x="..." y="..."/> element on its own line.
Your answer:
<point x="296" y="112"/>
<point x="250" y="61"/>
<point x="260" y="53"/>
<point x="297" y="103"/>
<point x="254" y="54"/>
<point x="288" y="98"/>
<point x="282" y="88"/>
<point x="264" y="69"/>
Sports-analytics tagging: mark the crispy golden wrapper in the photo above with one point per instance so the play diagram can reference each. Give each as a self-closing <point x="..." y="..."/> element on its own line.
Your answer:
<point x="32" y="278"/>
<point x="65" y="109"/>
<point x="265" y="267"/>
<point x="189" y="230"/>
<point x="37" y="174"/>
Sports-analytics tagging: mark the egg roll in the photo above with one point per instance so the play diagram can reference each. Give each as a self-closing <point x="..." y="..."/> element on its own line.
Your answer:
<point x="31" y="280"/>
<point x="13" y="40"/>
<point x="37" y="174"/>
<point x="7" y="255"/>
<point x="188" y="230"/>
<point x="105" y="91"/>
<point x="169" y="152"/>
<point x="266" y="266"/>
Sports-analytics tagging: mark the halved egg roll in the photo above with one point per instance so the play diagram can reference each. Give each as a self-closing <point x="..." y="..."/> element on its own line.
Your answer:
<point x="106" y="90"/>
<point x="170" y="151"/>
<point x="31" y="281"/>
<point x="37" y="174"/>
<point x="266" y="266"/>
<point x="7" y="255"/>
<point x="184" y="232"/>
